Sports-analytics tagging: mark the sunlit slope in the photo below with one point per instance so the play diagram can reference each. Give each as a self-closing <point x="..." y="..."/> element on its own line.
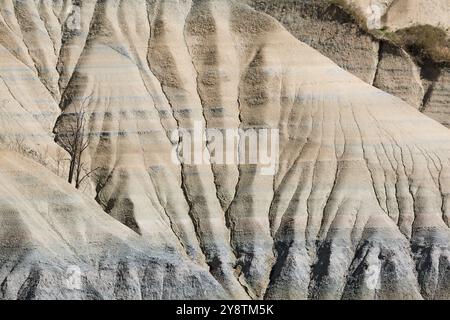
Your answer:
<point x="359" y="205"/>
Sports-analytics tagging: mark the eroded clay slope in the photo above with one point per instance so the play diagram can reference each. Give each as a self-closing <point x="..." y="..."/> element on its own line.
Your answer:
<point x="50" y="233"/>
<point x="359" y="205"/>
<point x="28" y="111"/>
<point x="335" y="33"/>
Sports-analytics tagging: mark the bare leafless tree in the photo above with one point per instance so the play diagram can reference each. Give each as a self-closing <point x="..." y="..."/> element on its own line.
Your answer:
<point x="73" y="136"/>
<point x="18" y="144"/>
<point x="60" y="158"/>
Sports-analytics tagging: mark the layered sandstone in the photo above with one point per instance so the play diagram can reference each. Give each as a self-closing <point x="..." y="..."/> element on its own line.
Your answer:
<point x="334" y="32"/>
<point x="358" y="207"/>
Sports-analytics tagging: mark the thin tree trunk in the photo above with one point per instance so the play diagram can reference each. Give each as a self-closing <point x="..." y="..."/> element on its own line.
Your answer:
<point x="77" y="179"/>
<point x="71" y="170"/>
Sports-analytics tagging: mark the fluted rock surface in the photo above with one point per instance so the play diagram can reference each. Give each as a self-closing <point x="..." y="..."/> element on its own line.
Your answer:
<point x="358" y="207"/>
<point x="50" y="233"/>
<point x="335" y="33"/>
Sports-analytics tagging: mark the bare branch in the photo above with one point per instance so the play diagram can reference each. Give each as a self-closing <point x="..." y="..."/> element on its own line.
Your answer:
<point x="88" y="174"/>
<point x="74" y="139"/>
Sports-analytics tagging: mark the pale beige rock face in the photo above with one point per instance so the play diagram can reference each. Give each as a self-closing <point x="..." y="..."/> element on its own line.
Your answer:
<point x="328" y="30"/>
<point x="335" y="34"/>
<point x="48" y="229"/>
<point x="363" y="179"/>
<point x="405" y="13"/>
<point x="397" y="14"/>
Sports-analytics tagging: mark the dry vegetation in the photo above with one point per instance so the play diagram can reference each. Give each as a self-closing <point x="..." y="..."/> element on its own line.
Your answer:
<point x="353" y="11"/>
<point x="423" y="42"/>
<point x="18" y="144"/>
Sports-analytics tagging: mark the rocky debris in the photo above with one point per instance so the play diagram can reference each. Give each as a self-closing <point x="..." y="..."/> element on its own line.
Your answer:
<point x="358" y="207"/>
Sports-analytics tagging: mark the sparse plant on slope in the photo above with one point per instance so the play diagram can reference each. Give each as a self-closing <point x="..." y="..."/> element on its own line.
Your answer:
<point x="352" y="10"/>
<point x="18" y="144"/>
<point x="426" y="42"/>
<point x="60" y="160"/>
<point x="423" y="42"/>
<point x="75" y="139"/>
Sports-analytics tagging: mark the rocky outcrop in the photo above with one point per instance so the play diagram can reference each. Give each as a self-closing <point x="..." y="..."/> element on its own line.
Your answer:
<point x="405" y="13"/>
<point x="328" y="29"/>
<point x="437" y="101"/>
<point x="398" y="74"/>
<point x="335" y="33"/>
<point x="357" y="208"/>
<point x="397" y="14"/>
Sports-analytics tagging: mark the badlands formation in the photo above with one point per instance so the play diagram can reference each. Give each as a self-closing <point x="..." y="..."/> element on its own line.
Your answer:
<point x="398" y="14"/>
<point x="336" y="34"/>
<point x="358" y="208"/>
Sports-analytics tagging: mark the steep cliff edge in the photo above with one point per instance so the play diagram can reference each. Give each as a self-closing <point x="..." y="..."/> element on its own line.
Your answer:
<point x="397" y="14"/>
<point x="358" y="207"/>
<point x="334" y="32"/>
